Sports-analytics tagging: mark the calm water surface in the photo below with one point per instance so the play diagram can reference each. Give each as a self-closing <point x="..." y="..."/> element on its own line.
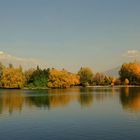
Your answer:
<point x="70" y="114"/>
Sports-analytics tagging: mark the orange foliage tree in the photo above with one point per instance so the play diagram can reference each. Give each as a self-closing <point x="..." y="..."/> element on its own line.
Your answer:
<point x="130" y="71"/>
<point x="62" y="79"/>
<point x="12" y="77"/>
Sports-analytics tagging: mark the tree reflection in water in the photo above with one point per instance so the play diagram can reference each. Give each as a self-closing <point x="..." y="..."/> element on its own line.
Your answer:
<point x="86" y="97"/>
<point x="16" y="100"/>
<point x="12" y="101"/>
<point x="130" y="98"/>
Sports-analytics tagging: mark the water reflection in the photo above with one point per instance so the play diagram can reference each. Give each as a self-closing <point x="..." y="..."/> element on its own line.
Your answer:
<point x="17" y="100"/>
<point x="86" y="99"/>
<point x="10" y="102"/>
<point x="130" y="98"/>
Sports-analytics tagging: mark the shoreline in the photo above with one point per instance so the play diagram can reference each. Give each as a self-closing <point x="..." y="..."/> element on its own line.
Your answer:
<point x="116" y="86"/>
<point x="46" y="88"/>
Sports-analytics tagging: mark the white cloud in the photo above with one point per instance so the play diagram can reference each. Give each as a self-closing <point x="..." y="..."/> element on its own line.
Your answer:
<point x="6" y="58"/>
<point x="132" y="53"/>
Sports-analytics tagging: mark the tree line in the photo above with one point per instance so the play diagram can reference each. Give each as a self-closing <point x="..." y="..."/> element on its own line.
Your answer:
<point x="13" y="77"/>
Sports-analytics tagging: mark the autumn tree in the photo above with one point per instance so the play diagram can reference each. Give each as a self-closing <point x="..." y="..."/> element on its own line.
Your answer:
<point x="62" y="79"/>
<point x="1" y="72"/>
<point x="107" y="80"/>
<point x="126" y="81"/>
<point x="130" y="71"/>
<point x="74" y="79"/>
<point x="86" y="76"/>
<point x="118" y="81"/>
<point x="113" y="80"/>
<point x="99" y="78"/>
<point x="12" y="77"/>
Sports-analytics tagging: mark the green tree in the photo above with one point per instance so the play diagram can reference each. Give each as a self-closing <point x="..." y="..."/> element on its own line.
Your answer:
<point x="86" y="76"/>
<point x="28" y="75"/>
<point x="39" y="78"/>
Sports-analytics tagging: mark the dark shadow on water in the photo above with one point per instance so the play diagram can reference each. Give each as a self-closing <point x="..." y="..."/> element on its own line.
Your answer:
<point x="86" y="97"/>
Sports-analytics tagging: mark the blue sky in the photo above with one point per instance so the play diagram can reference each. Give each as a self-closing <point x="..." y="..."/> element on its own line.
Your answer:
<point x="71" y="33"/>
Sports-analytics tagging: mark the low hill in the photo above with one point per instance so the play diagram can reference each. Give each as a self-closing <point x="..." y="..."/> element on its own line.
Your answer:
<point x="113" y="72"/>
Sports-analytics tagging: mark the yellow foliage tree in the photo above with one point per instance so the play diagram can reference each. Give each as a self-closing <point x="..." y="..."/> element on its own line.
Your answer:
<point x="126" y="81"/>
<point x="62" y="79"/>
<point x="130" y="71"/>
<point x="12" y="78"/>
<point x="113" y="81"/>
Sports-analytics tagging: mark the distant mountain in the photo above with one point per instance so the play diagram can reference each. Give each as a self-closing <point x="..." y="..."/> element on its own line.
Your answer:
<point x="113" y="72"/>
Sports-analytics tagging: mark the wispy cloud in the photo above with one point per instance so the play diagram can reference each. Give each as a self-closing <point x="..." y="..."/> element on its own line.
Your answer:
<point x="132" y="54"/>
<point x="25" y="62"/>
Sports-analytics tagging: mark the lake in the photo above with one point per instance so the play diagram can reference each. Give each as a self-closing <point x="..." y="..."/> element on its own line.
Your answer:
<point x="70" y="114"/>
